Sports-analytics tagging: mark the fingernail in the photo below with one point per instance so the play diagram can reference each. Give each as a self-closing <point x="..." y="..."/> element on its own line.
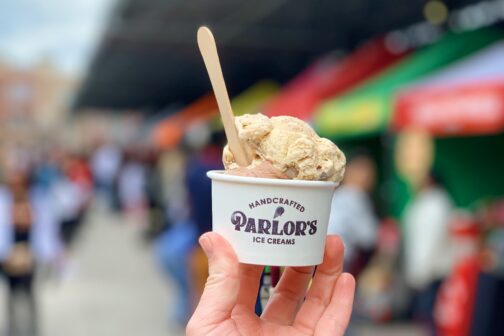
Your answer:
<point x="206" y="244"/>
<point x="347" y="280"/>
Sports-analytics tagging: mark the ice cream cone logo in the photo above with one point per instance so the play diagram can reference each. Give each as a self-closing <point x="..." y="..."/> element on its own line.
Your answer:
<point x="278" y="212"/>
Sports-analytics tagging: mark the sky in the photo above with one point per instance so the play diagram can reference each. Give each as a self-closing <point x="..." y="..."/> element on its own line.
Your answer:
<point x="66" y="31"/>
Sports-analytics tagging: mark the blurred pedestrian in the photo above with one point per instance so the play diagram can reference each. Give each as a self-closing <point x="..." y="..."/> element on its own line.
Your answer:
<point x="71" y="194"/>
<point x="173" y="250"/>
<point x="155" y="195"/>
<point x="105" y="164"/>
<point x="28" y="236"/>
<point x="132" y="182"/>
<point x="174" y="245"/>
<point x="200" y="201"/>
<point x="352" y="213"/>
<point x="427" y="246"/>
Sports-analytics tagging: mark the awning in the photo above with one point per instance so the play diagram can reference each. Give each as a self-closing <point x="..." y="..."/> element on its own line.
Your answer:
<point x="330" y="77"/>
<point x="466" y="109"/>
<point x="168" y="133"/>
<point x="148" y="57"/>
<point x="368" y="109"/>
<point x="466" y="98"/>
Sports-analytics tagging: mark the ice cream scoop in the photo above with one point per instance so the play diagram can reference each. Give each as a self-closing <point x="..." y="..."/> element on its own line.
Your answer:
<point x="263" y="169"/>
<point x="285" y="147"/>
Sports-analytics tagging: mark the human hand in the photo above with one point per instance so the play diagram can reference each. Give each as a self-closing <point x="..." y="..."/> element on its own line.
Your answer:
<point x="227" y="304"/>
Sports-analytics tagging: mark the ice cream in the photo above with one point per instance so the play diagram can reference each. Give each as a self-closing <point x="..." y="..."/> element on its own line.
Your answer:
<point x="285" y="147"/>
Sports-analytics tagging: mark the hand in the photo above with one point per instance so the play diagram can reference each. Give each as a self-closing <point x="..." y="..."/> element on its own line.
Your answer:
<point x="227" y="304"/>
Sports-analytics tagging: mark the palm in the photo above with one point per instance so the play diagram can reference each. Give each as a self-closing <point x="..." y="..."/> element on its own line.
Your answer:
<point x="227" y="304"/>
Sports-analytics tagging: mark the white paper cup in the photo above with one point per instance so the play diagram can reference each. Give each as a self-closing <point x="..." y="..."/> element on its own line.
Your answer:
<point x="272" y="221"/>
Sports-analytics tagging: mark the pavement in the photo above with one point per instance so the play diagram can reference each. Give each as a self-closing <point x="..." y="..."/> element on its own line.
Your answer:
<point x="110" y="287"/>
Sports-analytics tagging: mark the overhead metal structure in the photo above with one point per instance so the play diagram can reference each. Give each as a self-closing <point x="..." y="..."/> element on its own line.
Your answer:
<point x="148" y="57"/>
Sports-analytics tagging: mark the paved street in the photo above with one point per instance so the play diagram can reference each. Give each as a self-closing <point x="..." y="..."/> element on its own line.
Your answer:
<point x="112" y="288"/>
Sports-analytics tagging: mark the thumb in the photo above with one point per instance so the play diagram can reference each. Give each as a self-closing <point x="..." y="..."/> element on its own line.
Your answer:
<point x="221" y="289"/>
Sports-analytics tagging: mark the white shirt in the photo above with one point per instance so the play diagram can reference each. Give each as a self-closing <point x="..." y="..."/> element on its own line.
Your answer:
<point x="45" y="242"/>
<point x="106" y="162"/>
<point x="352" y="218"/>
<point x="132" y="183"/>
<point x="428" y="251"/>
<point x="68" y="198"/>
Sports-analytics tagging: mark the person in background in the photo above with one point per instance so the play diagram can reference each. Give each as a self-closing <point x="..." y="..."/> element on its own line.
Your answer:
<point x="155" y="194"/>
<point x="188" y="199"/>
<point x="132" y="182"/>
<point x="352" y="214"/>
<point x="427" y="253"/>
<point x="208" y="157"/>
<point x="105" y="164"/>
<point x="71" y="194"/>
<point x="46" y="170"/>
<point x="28" y="238"/>
<point x="199" y="185"/>
<point x="174" y="245"/>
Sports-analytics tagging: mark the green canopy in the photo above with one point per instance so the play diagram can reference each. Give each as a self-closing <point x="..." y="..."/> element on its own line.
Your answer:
<point x="368" y="108"/>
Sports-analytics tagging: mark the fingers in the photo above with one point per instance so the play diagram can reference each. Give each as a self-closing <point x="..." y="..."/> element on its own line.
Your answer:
<point x="319" y="295"/>
<point x="221" y="289"/>
<point x="334" y="320"/>
<point x="250" y="276"/>
<point x="288" y="295"/>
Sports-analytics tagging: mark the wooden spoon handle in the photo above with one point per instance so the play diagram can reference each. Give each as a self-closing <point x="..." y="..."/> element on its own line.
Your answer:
<point x="208" y="49"/>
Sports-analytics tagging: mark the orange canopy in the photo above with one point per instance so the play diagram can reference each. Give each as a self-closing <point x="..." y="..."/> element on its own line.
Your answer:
<point x="168" y="133"/>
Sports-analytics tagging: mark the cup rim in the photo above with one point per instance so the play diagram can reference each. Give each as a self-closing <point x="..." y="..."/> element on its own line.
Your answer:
<point x="220" y="175"/>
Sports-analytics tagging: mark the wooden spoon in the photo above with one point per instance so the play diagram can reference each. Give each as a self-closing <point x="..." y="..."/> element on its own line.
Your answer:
<point x="208" y="49"/>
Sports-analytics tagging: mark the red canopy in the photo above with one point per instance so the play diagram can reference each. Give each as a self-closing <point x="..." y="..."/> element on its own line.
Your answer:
<point x="472" y="108"/>
<point x="466" y="98"/>
<point x="329" y="78"/>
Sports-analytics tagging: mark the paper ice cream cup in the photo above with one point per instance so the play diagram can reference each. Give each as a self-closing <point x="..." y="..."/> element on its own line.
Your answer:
<point x="272" y="221"/>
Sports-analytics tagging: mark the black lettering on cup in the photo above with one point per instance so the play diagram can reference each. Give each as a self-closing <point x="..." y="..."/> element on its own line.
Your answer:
<point x="239" y="219"/>
<point x="251" y="227"/>
<point x="301" y="228"/>
<point x="275" y="229"/>
<point x="288" y="228"/>
<point x="264" y="226"/>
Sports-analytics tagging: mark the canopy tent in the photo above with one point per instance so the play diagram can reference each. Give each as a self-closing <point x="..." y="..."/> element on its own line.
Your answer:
<point x="463" y="107"/>
<point x="466" y="98"/>
<point x="168" y="133"/>
<point x="147" y="57"/>
<point x="329" y="77"/>
<point x="367" y="109"/>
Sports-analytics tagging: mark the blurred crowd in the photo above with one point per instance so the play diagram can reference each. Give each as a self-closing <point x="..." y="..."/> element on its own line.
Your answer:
<point x="44" y="196"/>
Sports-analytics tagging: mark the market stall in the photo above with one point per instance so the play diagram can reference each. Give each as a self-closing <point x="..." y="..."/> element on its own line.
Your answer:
<point x="330" y="76"/>
<point x="462" y="106"/>
<point x="367" y="109"/>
